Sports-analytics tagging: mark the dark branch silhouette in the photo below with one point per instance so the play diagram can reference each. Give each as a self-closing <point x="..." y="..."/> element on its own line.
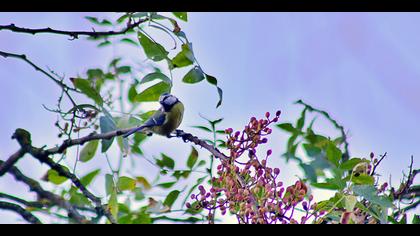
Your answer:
<point x="73" y="34"/>
<point x="19" y="210"/>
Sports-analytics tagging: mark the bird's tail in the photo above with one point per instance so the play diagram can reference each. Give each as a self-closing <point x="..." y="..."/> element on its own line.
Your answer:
<point x="134" y="131"/>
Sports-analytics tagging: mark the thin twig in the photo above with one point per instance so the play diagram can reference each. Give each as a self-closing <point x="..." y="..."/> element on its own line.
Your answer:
<point x="37" y="68"/>
<point x="377" y="164"/>
<point x="346" y="154"/>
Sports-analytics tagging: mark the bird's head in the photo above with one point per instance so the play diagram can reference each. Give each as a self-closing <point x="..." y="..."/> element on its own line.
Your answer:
<point x="168" y="101"/>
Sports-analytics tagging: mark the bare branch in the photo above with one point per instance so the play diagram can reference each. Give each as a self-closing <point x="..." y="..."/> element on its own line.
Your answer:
<point x="23" y="57"/>
<point x="72" y="34"/>
<point x="34" y="186"/>
<point x="377" y="164"/>
<point x="11" y="161"/>
<point x="18" y="209"/>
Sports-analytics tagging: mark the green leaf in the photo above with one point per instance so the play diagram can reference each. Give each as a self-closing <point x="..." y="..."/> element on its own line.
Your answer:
<point x="153" y="50"/>
<point x="287" y="127"/>
<point x="220" y="92"/>
<point x="350" y="202"/>
<point x="185" y="57"/>
<point x="132" y="93"/>
<point x="109" y="184"/>
<point x="192" y="159"/>
<point x="129" y="41"/>
<point x="55" y="178"/>
<point x="77" y="198"/>
<point x="88" y="151"/>
<point x="179" y="173"/>
<point x="311" y="150"/>
<point x="147" y="115"/>
<point x="154" y="76"/>
<point x="142" y="218"/>
<point x="327" y="185"/>
<point x="166" y="161"/>
<point x="95" y="21"/>
<point x="138" y="194"/>
<point x="106" y="124"/>
<point x="166" y="185"/>
<point x="171" y="198"/>
<point x="301" y="121"/>
<point x="202" y="128"/>
<point x="333" y="153"/>
<point x="123" y="70"/>
<point x="363" y="179"/>
<point x="87" y="179"/>
<point x="350" y="164"/>
<point x="181" y="15"/>
<point x="104" y="43"/>
<point x="195" y="75"/>
<point x="126" y="183"/>
<point x="212" y="80"/>
<point x="153" y="93"/>
<point x="143" y="181"/>
<point x="84" y="86"/>
<point x="416" y="219"/>
<point x="113" y="204"/>
<point x="194" y="209"/>
<point x="369" y="193"/>
<point x="310" y="172"/>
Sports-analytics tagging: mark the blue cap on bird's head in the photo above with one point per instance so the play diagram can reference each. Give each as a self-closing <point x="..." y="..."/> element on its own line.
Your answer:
<point x="167" y="100"/>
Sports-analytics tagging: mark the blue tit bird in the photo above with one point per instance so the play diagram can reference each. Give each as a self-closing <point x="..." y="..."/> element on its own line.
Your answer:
<point x="165" y="120"/>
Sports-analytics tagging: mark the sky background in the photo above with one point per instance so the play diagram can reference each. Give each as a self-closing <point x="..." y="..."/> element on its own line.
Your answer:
<point x="360" y="67"/>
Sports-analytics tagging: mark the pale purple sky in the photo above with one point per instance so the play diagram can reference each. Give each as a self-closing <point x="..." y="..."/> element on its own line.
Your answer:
<point x="361" y="67"/>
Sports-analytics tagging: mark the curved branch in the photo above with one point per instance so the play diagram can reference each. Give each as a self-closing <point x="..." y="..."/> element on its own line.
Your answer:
<point x="34" y="186"/>
<point x="23" y="57"/>
<point x="73" y="34"/>
<point x="18" y="209"/>
<point x="43" y="156"/>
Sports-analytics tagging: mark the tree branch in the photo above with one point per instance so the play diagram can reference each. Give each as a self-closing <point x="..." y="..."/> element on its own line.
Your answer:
<point x="34" y="186"/>
<point x="11" y="161"/>
<point x="18" y="209"/>
<point x="43" y="156"/>
<point x="37" y="68"/>
<point x="73" y="34"/>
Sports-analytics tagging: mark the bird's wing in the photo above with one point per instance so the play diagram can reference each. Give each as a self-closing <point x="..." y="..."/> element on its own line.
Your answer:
<point x="157" y="119"/>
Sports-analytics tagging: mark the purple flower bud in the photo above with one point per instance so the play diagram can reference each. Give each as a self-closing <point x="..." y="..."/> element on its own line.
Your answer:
<point x="267" y="114"/>
<point x="278" y="113"/>
<point x="276" y="171"/>
<point x="264" y="140"/>
<point x="269" y="152"/>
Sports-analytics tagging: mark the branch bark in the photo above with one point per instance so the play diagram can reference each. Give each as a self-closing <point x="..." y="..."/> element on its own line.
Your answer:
<point x="34" y="186"/>
<point x="72" y="34"/>
<point x="19" y="210"/>
<point x="42" y="155"/>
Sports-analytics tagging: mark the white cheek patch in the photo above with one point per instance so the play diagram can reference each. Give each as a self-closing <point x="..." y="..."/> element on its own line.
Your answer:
<point x="170" y="100"/>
